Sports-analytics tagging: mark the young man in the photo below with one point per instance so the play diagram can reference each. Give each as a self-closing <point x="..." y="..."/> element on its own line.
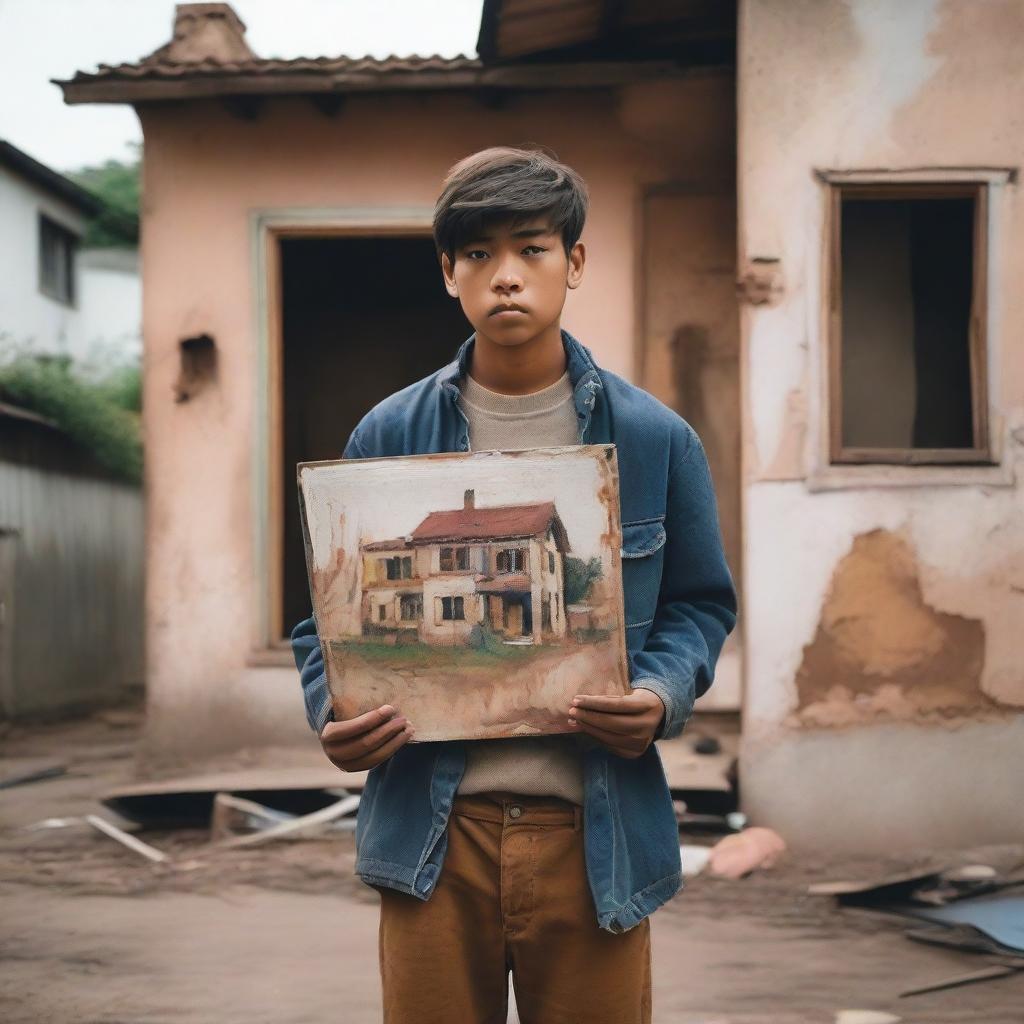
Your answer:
<point x="543" y="857"/>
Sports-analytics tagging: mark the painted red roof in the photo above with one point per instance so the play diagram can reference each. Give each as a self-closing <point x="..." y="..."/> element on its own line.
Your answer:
<point x="498" y="523"/>
<point x="387" y="545"/>
<point x="515" y="581"/>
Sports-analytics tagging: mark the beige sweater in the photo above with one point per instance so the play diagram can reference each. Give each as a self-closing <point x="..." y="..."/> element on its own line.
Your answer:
<point x="542" y="765"/>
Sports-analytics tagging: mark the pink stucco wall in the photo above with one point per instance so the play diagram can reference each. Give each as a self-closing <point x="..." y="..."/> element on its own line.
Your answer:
<point x="206" y="173"/>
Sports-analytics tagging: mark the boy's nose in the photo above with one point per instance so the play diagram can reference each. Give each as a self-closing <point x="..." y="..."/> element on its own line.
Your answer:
<point x="506" y="281"/>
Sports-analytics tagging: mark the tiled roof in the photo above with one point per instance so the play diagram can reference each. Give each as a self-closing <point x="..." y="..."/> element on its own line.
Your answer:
<point x="498" y="523"/>
<point x="156" y="67"/>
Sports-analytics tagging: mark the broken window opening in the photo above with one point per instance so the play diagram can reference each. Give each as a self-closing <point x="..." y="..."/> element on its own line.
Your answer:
<point x="908" y="329"/>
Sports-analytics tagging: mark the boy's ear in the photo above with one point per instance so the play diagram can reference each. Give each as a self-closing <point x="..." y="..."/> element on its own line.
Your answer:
<point x="449" y="276"/>
<point x="577" y="258"/>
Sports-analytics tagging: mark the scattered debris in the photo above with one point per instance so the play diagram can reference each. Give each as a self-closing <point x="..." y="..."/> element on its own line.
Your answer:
<point x="188" y="802"/>
<point x="144" y="849"/>
<point x="47" y="823"/>
<point x="997" y="916"/>
<point x="962" y="937"/>
<point x="888" y="889"/>
<point x="233" y="814"/>
<point x="971" y="873"/>
<point x="347" y="805"/>
<point x="695" y="859"/>
<point x="34" y="773"/>
<point x="737" y="855"/>
<point x="985" y="974"/>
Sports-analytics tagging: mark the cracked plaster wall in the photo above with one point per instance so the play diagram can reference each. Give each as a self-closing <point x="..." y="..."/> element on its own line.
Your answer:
<point x="887" y="603"/>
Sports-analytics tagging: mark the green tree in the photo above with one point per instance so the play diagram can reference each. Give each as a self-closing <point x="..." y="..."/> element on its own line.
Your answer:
<point x="578" y="575"/>
<point x="117" y="184"/>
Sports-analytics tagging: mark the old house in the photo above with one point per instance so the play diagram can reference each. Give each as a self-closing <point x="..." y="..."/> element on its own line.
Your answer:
<point x="806" y="235"/>
<point x="499" y="567"/>
<point x="58" y="299"/>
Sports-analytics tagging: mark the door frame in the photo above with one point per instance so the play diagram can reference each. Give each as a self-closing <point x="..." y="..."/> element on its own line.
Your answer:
<point x="267" y="227"/>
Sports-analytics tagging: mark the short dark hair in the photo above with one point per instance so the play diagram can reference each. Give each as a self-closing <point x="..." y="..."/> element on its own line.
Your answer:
<point x="506" y="183"/>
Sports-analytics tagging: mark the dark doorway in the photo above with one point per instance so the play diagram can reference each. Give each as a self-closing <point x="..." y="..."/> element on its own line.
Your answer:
<point x="361" y="318"/>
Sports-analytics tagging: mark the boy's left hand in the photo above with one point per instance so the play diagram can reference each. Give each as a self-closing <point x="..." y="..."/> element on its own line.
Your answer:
<point x="625" y="725"/>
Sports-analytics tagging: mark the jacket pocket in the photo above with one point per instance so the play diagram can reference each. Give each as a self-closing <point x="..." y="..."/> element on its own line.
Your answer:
<point x="643" y="549"/>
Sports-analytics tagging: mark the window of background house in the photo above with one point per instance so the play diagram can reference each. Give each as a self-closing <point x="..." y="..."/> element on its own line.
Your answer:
<point x="57" y="248"/>
<point x="908" y="356"/>
<point x="411" y="606"/>
<point x="510" y="560"/>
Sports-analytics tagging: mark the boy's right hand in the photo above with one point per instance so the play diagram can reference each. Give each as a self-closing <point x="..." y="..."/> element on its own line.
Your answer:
<point x="355" y="744"/>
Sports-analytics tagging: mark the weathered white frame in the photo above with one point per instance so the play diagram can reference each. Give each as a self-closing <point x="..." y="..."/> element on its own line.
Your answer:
<point x="824" y="475"/>
<point x="266" y="226"/>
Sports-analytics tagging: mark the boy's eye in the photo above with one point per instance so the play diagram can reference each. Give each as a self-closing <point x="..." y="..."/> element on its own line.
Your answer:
<point x="535" y="248"/>
<point x="473" y="254"/>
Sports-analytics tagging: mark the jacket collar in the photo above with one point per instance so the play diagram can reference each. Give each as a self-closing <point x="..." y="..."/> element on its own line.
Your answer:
<point x="583" y="372"/>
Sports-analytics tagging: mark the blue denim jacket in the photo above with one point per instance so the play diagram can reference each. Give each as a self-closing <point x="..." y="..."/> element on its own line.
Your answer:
<point x="680" y="605"/>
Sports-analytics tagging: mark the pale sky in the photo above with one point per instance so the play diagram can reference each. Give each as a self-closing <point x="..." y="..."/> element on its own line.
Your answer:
<point x="44" y="39"/>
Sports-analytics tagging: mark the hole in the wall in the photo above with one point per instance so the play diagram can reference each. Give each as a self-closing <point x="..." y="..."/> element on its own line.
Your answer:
<point x="198" y="367"/>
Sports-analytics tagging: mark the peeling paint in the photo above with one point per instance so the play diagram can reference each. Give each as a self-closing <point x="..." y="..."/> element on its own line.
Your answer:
<point x="881" y="650"/>
<point x="788" y="463"/>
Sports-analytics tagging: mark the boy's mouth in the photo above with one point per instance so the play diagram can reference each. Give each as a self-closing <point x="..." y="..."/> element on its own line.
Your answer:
<point x="508" y="308"/>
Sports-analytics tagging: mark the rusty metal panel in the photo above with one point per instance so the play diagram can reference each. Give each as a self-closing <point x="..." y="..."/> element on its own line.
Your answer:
<point x="477" y="593"/>
<point x="77" y="589"/>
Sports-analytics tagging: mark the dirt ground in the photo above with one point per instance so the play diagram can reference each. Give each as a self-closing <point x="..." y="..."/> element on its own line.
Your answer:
<point x="90" y="932"/>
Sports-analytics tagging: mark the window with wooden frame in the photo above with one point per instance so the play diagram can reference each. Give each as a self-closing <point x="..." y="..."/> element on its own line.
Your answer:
<point x="907" y="327"/>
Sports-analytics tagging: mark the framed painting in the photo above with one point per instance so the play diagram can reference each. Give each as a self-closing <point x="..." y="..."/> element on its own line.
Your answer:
<point x="477" y="593"/>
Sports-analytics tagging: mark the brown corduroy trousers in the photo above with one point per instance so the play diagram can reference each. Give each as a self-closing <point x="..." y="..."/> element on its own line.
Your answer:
<point x="512" y="896"/>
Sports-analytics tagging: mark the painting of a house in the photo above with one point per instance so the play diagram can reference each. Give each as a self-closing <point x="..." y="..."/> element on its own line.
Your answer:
<point x="500" y="568"/>
<point x="477" y="592"/>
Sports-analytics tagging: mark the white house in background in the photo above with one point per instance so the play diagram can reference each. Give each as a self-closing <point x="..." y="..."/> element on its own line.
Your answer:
<point x="110" y="311"/>
<point x="54" y="298"/>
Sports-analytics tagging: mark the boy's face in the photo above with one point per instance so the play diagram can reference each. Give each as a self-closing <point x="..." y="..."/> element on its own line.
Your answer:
<point x="512" y="280"/>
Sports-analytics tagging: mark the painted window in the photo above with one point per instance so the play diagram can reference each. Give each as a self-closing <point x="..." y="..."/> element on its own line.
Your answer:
<point x="399" y="568"/>
<point x="411" y="607"/>
<point x="551" y="562"/>
<point x="511" y="560"/>
<point x="907" y="323"/>
<point x="453" y="608"/>
<point x="454" y="559"/>
<point x="57" y="250"/>
<point x="382" y="612"/>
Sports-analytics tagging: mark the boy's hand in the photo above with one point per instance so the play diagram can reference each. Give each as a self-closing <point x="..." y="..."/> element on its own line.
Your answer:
<point x="355" y="744"/>
<point x="625" y="725"/>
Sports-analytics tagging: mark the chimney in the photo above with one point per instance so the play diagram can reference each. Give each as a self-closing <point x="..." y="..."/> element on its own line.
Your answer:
<point x="207" y="32"/>
<point x="469" y="500"/>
